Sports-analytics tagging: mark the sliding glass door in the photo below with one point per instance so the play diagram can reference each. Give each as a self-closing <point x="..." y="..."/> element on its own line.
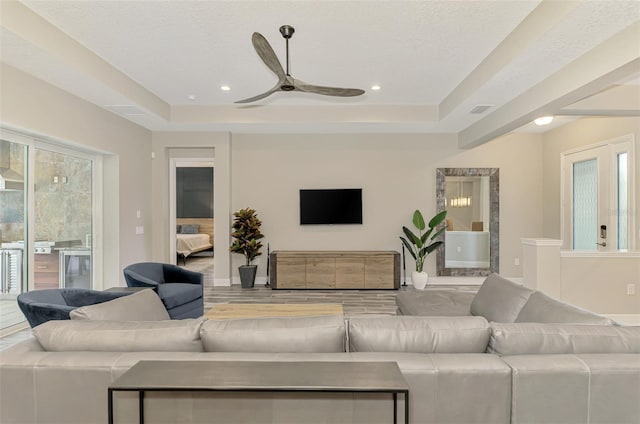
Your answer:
<point x="13" y="230"/>
<point x="63" y="220"/>
<point x="46" y="220"/>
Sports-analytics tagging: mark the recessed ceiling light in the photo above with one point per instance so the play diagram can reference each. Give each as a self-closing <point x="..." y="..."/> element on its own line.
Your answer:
<point x="375" y="87"/>
<point x="544" y="120"/>
<point x="225" y="88"/>
<point x="191" y="97"/>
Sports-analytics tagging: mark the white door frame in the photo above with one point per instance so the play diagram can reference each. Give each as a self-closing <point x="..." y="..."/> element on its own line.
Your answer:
<point x="173" y="164"/>
<point x="615" y="145"/>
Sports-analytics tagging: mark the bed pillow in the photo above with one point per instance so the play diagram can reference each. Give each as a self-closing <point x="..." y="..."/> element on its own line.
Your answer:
<point x="190" y="228"/>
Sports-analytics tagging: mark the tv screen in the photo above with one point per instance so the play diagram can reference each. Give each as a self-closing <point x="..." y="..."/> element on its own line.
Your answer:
<point x="331" y="206"/>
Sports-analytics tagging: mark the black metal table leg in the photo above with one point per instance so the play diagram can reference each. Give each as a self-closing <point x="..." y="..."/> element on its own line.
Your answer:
<point x="141" y="405"/>
<point x="110" y="403"/>
<point x="406" y="408"/>
<point x="395" y="408"/>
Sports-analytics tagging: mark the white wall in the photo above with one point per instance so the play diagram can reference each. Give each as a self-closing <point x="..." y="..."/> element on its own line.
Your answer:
<point x="193" y="145"/>
<point x="598" y="283"/>
<point x="397" y="175"/>
<point x="37" y="107"/>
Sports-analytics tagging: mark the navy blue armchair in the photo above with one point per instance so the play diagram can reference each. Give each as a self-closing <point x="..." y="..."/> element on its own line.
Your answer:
<point x="40" y="306"/>
<point x="180" y="290"/>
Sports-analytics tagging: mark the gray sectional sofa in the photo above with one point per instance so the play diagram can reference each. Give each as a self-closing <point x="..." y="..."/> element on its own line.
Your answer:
<point x="498" y="300"/>
<point x="460" y="369"/>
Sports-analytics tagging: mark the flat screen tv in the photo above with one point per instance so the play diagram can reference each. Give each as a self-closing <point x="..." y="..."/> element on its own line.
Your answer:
<point x="331" y="206"/>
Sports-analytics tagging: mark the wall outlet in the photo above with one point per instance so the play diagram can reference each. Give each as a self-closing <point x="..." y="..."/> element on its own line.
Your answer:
<point x="139" y="229"/>
<point x="516" y="261"/>
<point x="631" y="289"/>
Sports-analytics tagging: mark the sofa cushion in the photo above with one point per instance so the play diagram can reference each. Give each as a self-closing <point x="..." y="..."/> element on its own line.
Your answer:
<point x="435" y="302"/>
<point x="499" y="299"/>
<point x="286" y="335"/>
<point x="533" y="338"/>
<point x="140" y="306"/>
<point x="419" y="334"/>
<point x="542" y="308"/>
<point x="175" y="294"/>
<point x="120" y="336"/>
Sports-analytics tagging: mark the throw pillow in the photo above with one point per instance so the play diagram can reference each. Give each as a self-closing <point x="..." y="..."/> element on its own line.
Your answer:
<point x="144" y="305"/>
<point x="542" y="308"/>
<point x="499" y="299"/>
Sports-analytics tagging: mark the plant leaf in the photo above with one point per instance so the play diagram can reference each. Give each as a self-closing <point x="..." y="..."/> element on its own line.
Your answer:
<point x="409" y="247"/>
<point x="436" y="220"/>
<point x="433" y="246"/>
<point x="412" y="237"/>
<point x="418" y="220"/>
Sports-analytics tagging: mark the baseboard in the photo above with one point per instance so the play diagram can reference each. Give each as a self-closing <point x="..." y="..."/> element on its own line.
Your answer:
<point x="627" y="319"/>
<point x="452" y="281"/>
<point x="221" y="282"/>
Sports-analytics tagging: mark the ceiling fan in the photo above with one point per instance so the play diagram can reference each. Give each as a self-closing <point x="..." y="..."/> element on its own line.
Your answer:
<point x="285" y="81"/>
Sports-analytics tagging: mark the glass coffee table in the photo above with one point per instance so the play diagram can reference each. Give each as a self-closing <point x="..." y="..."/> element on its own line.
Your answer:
<point x="256" y="376"/>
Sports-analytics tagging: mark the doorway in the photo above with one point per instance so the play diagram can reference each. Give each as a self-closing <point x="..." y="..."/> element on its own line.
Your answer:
<point x="192" y="213"/>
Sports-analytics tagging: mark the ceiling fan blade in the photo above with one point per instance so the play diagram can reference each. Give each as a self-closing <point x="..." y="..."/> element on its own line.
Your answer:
<point x="261" y="96"/>
<point x="266" y="53"/>
<point x="327" y="91"/>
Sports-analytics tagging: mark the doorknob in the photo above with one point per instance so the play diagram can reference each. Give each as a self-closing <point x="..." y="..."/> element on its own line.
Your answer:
<point x="603" y="236"/>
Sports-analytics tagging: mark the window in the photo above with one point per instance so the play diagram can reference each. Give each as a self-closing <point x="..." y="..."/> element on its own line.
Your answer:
<point x="597" y="189"/>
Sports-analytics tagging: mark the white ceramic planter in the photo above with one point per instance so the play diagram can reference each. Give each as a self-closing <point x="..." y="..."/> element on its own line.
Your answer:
<point x="419" y="279"/>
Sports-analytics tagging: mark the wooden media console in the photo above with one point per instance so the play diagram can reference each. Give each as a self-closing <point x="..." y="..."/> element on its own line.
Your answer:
<point x="334" y="269"/>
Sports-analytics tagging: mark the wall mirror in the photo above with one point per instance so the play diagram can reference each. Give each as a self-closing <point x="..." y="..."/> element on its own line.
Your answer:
<point x="471" y="197"/>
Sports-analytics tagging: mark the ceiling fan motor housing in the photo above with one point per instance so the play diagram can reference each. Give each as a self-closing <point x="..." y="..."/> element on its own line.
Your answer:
<point x="287" y="31"/>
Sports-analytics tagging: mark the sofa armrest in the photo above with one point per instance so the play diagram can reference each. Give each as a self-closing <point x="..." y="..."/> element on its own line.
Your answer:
<point x="37" y="313"/>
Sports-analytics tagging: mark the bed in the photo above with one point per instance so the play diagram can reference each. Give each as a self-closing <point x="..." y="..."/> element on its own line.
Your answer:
<point x="192" y="236"/>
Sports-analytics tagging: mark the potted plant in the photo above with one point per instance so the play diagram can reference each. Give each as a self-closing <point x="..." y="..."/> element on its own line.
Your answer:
<point x="421" y="245"/>
<point x="246" y="235"/>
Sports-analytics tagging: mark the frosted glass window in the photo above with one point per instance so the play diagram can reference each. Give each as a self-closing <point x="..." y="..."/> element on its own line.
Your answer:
<point x="622" y="201"/>
<point x="585" y="204"/>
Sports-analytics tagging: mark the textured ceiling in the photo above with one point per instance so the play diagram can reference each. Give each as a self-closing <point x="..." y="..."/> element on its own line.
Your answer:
<point x="434" y="60"/>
